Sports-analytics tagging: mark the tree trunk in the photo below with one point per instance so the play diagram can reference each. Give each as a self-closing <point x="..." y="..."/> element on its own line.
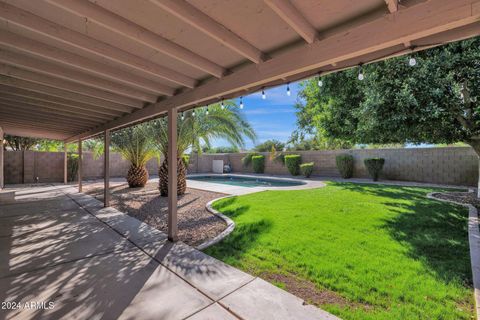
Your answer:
<point x="181" y="177"/>
<point x="137" y="176"/>
<point x="475" y="144"/>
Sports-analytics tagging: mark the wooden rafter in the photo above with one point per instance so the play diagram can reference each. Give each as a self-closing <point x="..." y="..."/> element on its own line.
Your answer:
<point x="139" y="34"/>
<point x="392" y="5"/>
<point x="294" y="18"/>
<point x="196" y="18"/>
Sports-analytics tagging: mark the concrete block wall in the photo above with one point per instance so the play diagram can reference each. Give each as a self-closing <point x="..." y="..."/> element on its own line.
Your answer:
<point x="452" y="165"/>
<point x="26" y="166"/>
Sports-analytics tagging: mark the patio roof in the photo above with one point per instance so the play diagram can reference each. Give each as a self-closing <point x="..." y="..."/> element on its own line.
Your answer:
<point x="71" y="69"/>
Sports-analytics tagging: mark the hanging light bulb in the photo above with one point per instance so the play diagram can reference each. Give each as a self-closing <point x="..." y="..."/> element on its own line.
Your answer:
<point x="183" y="116"/>
<point x="412" y="62"/>
<point x="241" y="102"/>
<point x="264" y="96"/>
<point x="320" y="82"/>
<point x="288" y="90"/>
<point x="360" y="74"/>
<point x="207" y="111"/>
<point x="222" y="105"/>
<point x="193" y="113"/>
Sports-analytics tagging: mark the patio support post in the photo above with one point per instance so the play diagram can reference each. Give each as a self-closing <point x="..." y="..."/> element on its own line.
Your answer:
<point x="65" y="163"/>
<point x="172" y="175"/>
<point x="80" y="165"/>
<point x="2" y="179"/>
<point x="106" y="169"/>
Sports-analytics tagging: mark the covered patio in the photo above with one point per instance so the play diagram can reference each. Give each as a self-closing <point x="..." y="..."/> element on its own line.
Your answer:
<point x="72" y="70"/>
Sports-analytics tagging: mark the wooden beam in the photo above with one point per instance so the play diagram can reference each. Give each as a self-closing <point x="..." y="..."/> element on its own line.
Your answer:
<point x="63" y="94"/>
<point x="46" y="108"/>
<point x="65" y="163"/>
<point x="47" y="28"/>
<point x="415" y="22"/>
<point x="392" y="5"/>
<point x="37" y="118"/>
<point x="204" y="23"/>
<point x="26" y="131"/>
<point x="37" y="124"/>
<point x="106" y="169"/>
<point x="79" y="62"/>
<point x="80" y="165"/>
<point x="67" y="85"/>
<point x="294" y="18"/>
<point x="124" y="27"/>
<point x="37" y="99"/>
<point x="2" y="179"/>
<point x="172" y="175"/>
<point x="50" y="69"/>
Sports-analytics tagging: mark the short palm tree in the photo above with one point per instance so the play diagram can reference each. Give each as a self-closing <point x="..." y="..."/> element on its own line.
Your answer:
<point x="197" y="128"/>
<point x="134" y="144"/>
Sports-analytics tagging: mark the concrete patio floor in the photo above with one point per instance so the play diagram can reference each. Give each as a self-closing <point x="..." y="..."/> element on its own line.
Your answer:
<point x="59" y="246"/>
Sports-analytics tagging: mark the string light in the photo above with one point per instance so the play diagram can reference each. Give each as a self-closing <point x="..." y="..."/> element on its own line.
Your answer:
<point x="412" y="61"/>
<point x="360" y="73"/>
<point x="222" y="105"/>
<point x="193" y="113"/>
<point x="288" y="89"/>
<point x="320" y="82"/>
<point x="207" y="111"/>
<point x="264" y="96"/>
<point x="241" y="102"/>
<point x="183" y="116"/>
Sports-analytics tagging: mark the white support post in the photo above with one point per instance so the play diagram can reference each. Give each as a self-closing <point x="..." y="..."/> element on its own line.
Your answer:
<point x="65" y="163"/>
<point x="106" y="169"/>
<point x="2" y="178"/>
<point x="172" y="175"/>
<point x="80" y="157"/>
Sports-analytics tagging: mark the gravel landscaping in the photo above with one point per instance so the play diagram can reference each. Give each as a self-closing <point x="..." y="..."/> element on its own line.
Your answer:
<point x="195" y="224"/>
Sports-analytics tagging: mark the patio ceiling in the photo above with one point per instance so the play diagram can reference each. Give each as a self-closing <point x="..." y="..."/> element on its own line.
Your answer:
<point x="71" y="69"/>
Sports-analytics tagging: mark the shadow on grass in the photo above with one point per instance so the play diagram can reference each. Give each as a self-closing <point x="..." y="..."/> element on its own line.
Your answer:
<point x="436" y="233"/>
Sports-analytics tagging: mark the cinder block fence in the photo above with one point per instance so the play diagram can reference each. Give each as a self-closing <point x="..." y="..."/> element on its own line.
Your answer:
<point x="452" y="165"/>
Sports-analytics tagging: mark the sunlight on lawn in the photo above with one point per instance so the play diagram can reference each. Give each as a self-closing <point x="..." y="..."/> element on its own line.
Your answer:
<point x="368" y="251"/>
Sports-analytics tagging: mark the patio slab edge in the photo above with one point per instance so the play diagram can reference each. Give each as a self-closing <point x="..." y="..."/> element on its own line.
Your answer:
<point x="474" y="243"/>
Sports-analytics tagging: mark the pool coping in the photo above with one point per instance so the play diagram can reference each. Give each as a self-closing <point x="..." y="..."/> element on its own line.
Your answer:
<point x="474" y="245"/>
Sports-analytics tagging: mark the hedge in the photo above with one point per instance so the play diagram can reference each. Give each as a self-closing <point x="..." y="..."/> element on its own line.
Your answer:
<point x="258" y="162"/>
<point x="292" y="161"/>
<point x="307" y="169"/>
<point x="374" y="167"/>
<point x="345" y="165"/>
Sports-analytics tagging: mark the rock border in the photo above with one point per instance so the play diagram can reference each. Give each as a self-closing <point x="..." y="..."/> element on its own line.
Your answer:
<point x="474" y="243"/>
<point x="224" y="233"/>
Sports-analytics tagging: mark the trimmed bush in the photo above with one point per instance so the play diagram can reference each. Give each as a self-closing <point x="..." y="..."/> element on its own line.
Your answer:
<point x="307" y="169"/>
<point x="374" y="167"/>
<point x="258" y="163"/>
<point x="248" y="159"/>
<point x="72" y="167"/>
<point x="292" y="161"/>
<point x="345" y="165"/>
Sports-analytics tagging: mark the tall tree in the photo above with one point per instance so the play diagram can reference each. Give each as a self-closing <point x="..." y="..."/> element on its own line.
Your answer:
<point x="434" y="101"/>
<point x="267" y="146"/>
<point x="20" y="143"/>
<point x="196" y="130"/>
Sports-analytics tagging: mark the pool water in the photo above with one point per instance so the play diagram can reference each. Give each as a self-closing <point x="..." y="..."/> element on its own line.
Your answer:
<point x="249" y="182"/>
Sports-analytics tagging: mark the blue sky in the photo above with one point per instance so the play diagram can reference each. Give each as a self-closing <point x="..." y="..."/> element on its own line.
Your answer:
<point x="272" y="118"/>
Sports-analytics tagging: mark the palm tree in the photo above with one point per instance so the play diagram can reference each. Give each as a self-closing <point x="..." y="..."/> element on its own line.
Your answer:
<point x="134" y="145"/>
<point x="194" y="129"/>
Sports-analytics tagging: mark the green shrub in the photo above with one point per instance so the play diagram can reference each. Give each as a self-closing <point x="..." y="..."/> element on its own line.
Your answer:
<point x="374" y="167"/>
<point x="248" y="159"/>
<point x="258" y="163"/>
<point x="72" y="167"/>
<point x="307" y="169"/>
<point x="345" y="165"/>
<point x="292" y="161"/>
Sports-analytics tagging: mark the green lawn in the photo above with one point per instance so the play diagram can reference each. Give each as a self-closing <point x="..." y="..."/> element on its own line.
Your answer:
<point x="358" y="251"/>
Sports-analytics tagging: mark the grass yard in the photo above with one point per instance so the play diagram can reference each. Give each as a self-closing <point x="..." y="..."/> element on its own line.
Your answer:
<point x="358" y="251"/>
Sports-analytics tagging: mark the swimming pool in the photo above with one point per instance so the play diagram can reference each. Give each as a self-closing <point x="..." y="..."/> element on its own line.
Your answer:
<point x="249" y="182"/>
